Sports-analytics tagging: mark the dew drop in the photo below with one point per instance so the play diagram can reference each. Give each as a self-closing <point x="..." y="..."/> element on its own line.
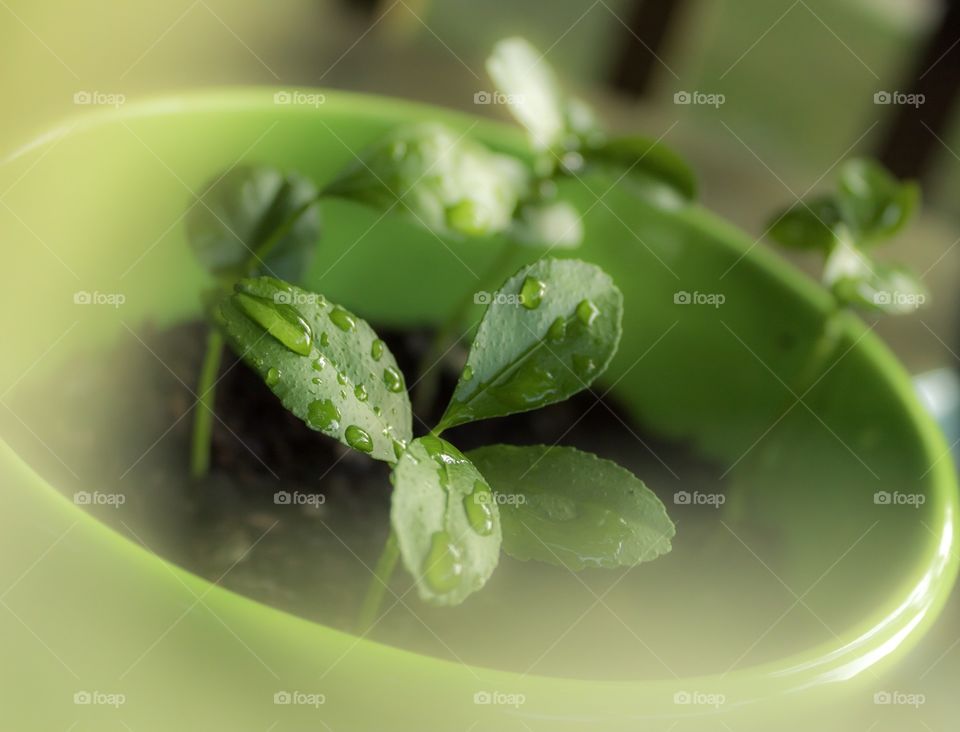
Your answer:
<point x="319" y="363"/>
<point x="324" y="339"/>
<point x="360" y="392"/>
<point x="393" y="379"/>
<point x="467" y="373"/>
<point x="322" y="414"/>
<point x="281" y="320"/>
<point x="358" y="439"/>
<point x="531" y="292"/>
<point x="583" y="365"/>
<point x="341" y="378"/>
<point x="376" y="349"/>
<point x="587" y="312"/>
<point x="479" y="508"/>
<point x="443" y="565"/>
<point x="342" y="319"/>
<point x="272" y="377"/>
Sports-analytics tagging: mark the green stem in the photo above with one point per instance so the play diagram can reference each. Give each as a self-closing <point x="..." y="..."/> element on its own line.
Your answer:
<point x="427" y="368"/>
<point x="823" y="348"/>
<point x="263" y="251"/>
<point x="203" y="416"/>
<point x="378" y="584"/>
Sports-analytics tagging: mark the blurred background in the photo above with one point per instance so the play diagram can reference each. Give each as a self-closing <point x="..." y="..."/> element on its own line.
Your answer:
<point x="763" y="97"/>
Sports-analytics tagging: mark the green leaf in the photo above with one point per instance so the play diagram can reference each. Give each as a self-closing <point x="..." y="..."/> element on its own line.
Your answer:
<point x="808" y="225"/>
<point x="857" y="279"/>
<point x="875" y="205"/>
<point x="643" y="156"/>
<point x="532" y="91"/>
<point x="573" y="509"/>
<point x="325" y="364"/>
<point x="446" y="521"/>
<point x="554" y="224"/>
<point x="444" y="180"/>
<point x="237" y="215"/>
<point x="554" y="344"/>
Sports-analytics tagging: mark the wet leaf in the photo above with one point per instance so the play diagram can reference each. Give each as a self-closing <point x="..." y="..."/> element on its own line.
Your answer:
<point x="548" y="333"/>
<point x="573" y="509"/>
<point x="325" y="364"/>
<point x="446" y="521"/>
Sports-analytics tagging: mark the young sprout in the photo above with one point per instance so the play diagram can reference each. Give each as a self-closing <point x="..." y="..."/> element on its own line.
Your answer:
<point x="452" y="513"/>
<point x="869" y="208"/>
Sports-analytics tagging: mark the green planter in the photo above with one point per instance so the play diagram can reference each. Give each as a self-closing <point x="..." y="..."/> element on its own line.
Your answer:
<point x="97" y="206"/>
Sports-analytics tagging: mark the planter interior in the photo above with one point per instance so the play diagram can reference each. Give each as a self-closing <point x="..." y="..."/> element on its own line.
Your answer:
<point x="802" y="579"/>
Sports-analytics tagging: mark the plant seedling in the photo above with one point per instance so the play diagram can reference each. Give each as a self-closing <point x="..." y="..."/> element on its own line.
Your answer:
<point x="869" y="208"/>
<point x="452" y="513"/>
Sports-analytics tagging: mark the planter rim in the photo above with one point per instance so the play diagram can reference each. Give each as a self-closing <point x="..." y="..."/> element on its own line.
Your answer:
<point x="859" y="647"/>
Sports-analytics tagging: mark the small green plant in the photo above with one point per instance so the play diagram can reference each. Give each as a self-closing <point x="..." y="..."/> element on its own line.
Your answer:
<point x="552" y="330"/>
<point x="868" y="209"/>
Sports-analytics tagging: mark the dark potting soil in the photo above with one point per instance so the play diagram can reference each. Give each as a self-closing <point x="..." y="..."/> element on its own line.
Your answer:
<point x="309" y="556"/>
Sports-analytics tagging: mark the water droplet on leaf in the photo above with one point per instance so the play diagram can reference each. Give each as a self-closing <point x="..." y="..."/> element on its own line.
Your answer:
<point x="587" y="312"/>
<point x="358" y="439"/>
<point x="443" y="565"/>
<point x="531" y="292"/>
<point x="479" y="508"/>
<point x="360" y="392"/>
<point x="376" y="349"/>
<point x="322" y="414"/>
<point x="393" y="379"/>
<point x="342" y="319"/>
<point x="280" y="320"/>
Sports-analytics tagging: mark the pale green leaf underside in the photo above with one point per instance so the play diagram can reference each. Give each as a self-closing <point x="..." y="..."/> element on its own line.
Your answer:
<point x="522" y="357"/>
<point x="573" y="509"/>
<point x="446" y="522"/>
<point x="348" y="386"/>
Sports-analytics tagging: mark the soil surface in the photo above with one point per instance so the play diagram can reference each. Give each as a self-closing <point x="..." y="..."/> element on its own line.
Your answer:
<point x="309" y="556"/>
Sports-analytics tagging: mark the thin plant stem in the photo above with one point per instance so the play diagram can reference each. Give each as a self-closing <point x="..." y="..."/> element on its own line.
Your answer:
<point x="373" y="598"/>
<point x="203" y="417"/>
